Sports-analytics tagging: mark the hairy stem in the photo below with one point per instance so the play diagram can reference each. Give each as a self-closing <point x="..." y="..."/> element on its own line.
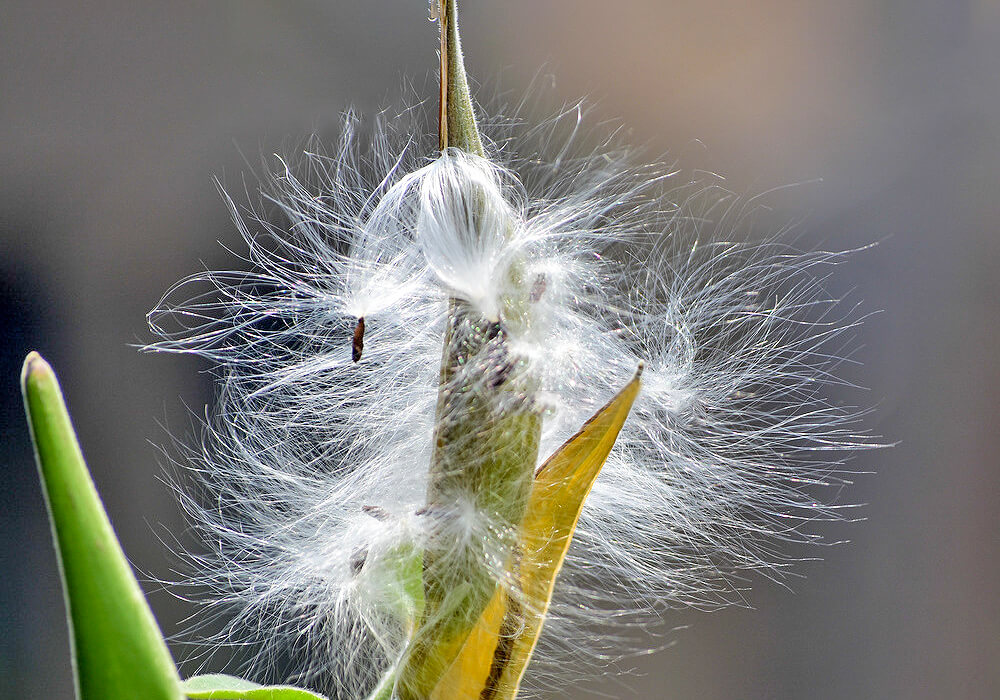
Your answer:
<point x="457" y="120"/>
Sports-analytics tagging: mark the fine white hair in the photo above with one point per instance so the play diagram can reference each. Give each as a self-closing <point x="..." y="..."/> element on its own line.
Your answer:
<point x="313" y="467"/>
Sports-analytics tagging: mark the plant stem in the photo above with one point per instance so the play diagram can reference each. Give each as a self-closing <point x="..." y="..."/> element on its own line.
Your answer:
<point x="456" y="118"/>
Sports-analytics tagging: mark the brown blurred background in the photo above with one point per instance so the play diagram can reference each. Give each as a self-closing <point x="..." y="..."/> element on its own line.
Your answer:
<point x="115" y="116"/>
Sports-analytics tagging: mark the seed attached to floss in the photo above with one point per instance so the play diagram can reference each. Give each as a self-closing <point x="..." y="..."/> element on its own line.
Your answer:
<point x="358" y="341"/>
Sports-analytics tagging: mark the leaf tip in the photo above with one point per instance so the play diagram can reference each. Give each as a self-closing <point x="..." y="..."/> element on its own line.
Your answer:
<point x="35" y="368"/>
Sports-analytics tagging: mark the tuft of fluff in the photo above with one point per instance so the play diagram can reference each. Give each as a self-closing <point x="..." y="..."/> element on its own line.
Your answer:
<point x="313" y="468"/>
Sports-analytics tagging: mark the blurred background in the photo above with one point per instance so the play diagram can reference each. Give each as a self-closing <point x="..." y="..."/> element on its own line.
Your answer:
<point x="115" y="116"/>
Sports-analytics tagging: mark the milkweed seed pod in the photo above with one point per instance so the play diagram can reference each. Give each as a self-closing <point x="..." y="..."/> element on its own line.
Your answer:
<point x="395" y="466"/>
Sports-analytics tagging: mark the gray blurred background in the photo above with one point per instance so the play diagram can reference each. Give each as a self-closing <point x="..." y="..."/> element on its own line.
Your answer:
<point x="115" y="116"/>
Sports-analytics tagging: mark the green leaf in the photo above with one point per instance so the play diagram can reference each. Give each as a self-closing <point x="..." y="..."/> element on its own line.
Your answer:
<point x="219" y="687"/>
<point x="117" y="648"/>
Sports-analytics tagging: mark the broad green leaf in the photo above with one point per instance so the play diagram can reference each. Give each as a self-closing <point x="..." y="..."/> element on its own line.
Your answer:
<point x="493" y="659"/>
<point x="220" y="687"/>
<point x="117" y="648"/>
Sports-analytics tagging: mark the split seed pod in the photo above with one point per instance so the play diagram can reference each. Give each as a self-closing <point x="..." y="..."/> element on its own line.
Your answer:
<point x="401" y="523"/>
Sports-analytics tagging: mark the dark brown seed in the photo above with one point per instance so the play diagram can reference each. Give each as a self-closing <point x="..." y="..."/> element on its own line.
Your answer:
<point x="358" y="344"/>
